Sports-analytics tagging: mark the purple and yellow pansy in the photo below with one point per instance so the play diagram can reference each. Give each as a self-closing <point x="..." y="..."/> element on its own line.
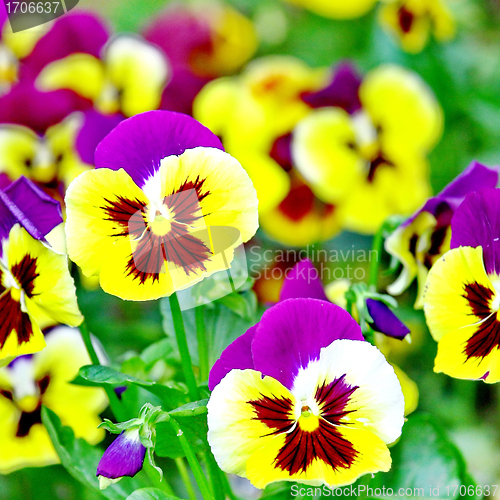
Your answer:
<point x="146" y="219"/>
<point x="462" y="295"/>
<point x="43" y="378"/>
<point x="423" y="238"/>
<point x="36" y="289"/>
<point x="353" y="153"/>
<point x="412" y="22"/>
<point x="302" y="397"/>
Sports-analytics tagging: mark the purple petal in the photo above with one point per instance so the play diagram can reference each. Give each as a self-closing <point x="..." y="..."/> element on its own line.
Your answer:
<point x="385" y="321"/>
<point x="71" y="33"/>
<point x="4" y="180"/>
<point x="443" y="205"/>
<point x="26" y="105"/>
<point x="343" y="91"/>
<point x="303" y="281"/>
<point x="94" y="129"/>
<point x="238" y="355"/>
<point x="3" y="14"/>
<point x="281" y="152"/>
<point x="124" y="457"/>
<point x="180" y="92"/>
<point x="477" y="223"/>
<point x="292" y="333"/>
<point x="24" y="203"/>
<point x="179" y="33"/>
<point x="139" y="143"/>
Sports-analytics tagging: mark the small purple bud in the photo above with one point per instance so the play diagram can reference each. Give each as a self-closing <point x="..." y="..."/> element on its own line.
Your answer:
<point x="385" y="321"/>
<point x="124" y="457"/>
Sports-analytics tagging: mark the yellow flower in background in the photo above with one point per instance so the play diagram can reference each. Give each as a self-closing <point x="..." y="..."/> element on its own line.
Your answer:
<point x="47" y="160"/>
<point x="337" y="9"/>
<point x="146" y="219"/>
<point x="129" y="78"/>
<point x="44" y="379"/>
<point x="251" y="111"/>
<point x="356" y="159"/>
<point x="413" y="21"/>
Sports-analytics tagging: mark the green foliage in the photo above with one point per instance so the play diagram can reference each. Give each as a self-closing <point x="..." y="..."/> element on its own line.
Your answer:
<point x="151" y="494"/>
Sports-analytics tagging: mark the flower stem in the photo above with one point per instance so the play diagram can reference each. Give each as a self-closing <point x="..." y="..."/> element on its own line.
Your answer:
<point x="114" y="401"/>
<point x="193" y="462"/>
<point x="378" y="239"/>
<point x="214" y="474"/>
<point x="201" y="335"/>
<point x="183" y="472"/>
<point x="155" y="479"/>
<point x="180" y="335"/>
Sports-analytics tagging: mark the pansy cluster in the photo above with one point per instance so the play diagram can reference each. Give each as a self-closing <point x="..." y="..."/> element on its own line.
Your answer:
<point x="143" y="163"/>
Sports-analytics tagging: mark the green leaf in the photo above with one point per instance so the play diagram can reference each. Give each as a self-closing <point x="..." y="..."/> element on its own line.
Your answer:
<point x="243" y="304"/>
<point x="195" y="430"/>
<point x="151" y="494"/>
<point x="424" y="457"/>
<point x="191" y="409"/>
<point x="81" y="459"/>
<point x="223" y="326"/>
<point x="92" y="375"/>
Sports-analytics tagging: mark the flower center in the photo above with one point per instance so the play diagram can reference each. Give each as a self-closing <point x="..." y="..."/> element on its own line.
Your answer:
<point x="308" y="420"/>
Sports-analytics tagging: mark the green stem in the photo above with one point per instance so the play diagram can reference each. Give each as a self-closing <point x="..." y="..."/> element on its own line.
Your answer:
<point x="227" y="486"/>
<point x="183" y="472"/>
<point x="214" y="474"/>
<point x="193" y="462"/>
<point x="201" y="335"/>
<point x="378" y="240"/>
<point x="180" y="335"/>
<point x="114" y="402"/>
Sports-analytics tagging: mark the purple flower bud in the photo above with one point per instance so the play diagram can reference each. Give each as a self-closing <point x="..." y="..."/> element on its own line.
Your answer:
<point x="385" y="321"/>
<point x="124" y="457"/>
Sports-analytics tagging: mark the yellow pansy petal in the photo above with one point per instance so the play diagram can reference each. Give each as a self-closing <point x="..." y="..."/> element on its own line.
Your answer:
<point x="234" y="432"/>
<point x="452" y="357"/>
<point x="323" y="151"/>
<point x="337" y="9"/>
<point x="409" y="388"/>
<point x="18" y="147"/>
<point x="373" y="456"/>
<point x="60" y="361"/>
<point x="215" y="103"/>
<point x="402" y="244"/>
<point x="404" y="107"/>
<point x="43" y="276"/>
<point x="446" y="306"/>
<point x="230" y="198"/>
<point x="138" y="71"/>
<point x="23" y="42"/>
<point x="81" y="73"/>
<point x="91" y="200"/>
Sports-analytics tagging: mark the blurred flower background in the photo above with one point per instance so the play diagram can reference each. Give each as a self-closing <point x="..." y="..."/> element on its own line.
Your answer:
<point x="344" y="114"/>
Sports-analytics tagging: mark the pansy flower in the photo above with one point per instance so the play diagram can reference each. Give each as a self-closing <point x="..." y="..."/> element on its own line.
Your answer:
<point x="462" y="295"/>
<point x="201" y="43"/>
<point x="155" y="215"/>
<point x="423" y="238"/>
<point x="354" y="157"/>
<point x="337" y="9"/>
<point x="124" y="457"/>
<point x="303" y="281"/>
<point x="129" y="78"/>
<point x="412" y="22"/>
<point x="301" y="397"/>
<point x="36" y="289"/>
<point x="44" y="378"/>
